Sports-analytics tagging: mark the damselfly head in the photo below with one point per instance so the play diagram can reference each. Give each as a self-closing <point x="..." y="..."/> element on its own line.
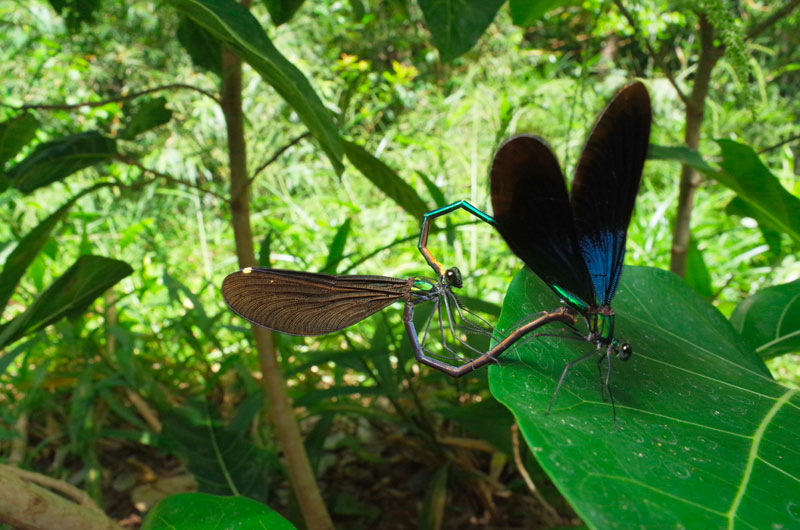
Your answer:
<point x="452" y="277"/>
<point x="624" y="351"/>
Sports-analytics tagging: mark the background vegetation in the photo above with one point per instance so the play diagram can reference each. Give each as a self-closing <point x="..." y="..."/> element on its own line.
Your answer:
<point x="122" y="151"/>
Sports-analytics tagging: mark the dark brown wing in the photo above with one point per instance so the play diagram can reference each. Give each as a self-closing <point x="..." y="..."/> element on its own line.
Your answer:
<point x="304" y="303"/>
<point x="532" y="212"/>
<point x="606" y="182"/>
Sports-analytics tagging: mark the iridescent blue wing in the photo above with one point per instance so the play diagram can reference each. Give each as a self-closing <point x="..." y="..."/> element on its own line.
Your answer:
<point x="532" y="213"/>
<point x="606" y="182"/>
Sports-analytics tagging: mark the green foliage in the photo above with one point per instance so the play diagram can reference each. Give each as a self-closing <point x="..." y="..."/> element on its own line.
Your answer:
<point x="204" y="49"/>
<point x="54" y="160"/>
<point x="386" y="179"/>
<point x="69" y="296"/>
<point x="236" y="27"/>
<point x="422" y="131"/>
<point x="200" y="511"/>
<point x="223" y="460"/>
<point x="457" y="25"/>
<point x="770" y="320"/>
<point x="699" y="421"/>
<point x="282" y="11"/>
<point x="147" y="115"/>
<point x="525" y="13"/>
<point x="15" y="134"/>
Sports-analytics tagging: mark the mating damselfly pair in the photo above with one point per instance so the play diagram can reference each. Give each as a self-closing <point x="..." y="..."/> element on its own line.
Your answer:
<point x="574" y="241"/>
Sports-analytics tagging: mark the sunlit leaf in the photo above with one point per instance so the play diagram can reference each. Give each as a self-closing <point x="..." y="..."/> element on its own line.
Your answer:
<point x="15" y="134"/>
<point x="697" y="275"/>
<point x="52" y="161"/>
<point x="744" y="173"/>
<point x="770" y="320"/>
<point x="336" y="251"/>
<point x="525" y="13"/>
<point x="200" y="511"/>
<point x="147" y="115"/>
<point x="456" y="25"/>
<point x="703" y="433"/>
<point x="68" y="296"/>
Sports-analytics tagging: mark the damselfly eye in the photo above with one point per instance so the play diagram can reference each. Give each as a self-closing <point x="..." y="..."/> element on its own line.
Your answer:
<point x="453" y="277"/>
<point x="625" y="351"/>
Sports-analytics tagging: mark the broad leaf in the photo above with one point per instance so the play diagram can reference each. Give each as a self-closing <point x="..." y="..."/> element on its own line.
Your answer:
<point x="200" y="511"/>
<point x="770" y="320"/>
<point x="68" y="296"/>
<point x="15" y="134"/>
<point x="525" y="13"/>
<point x="456" y="25"/>
<point x="704" y="438"/>
<point x="744" y="173"/>
<point x="238" y="28"/>
<point x="386" y="180"/>
<point x="682" y="154"/>
<point x="147" y="115"/>
<point x="741" y="208"/>
<point x="54" y="160"/>
<point x="282" y="11"/>
<point x="26" y="250"/>
<point x="222" y="460"/>
<point x="204" y="48"/>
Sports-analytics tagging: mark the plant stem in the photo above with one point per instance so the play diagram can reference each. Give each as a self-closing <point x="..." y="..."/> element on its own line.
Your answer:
<point x="305" y="487"/>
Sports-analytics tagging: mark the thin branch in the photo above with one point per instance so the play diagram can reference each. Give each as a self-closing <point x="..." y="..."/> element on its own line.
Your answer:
<point x="133" y="95"/>
<point x="274" y="157"/>
<point x="779" y="144"/>
<point x="656" y="56"/>
<point x="552" y="516"/>
<point x="128" y="160"/>
<point x="759" y="28"/>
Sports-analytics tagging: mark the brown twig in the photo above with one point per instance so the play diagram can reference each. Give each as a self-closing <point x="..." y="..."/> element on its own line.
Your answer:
<point x="779" y="144"/>
<point x="553" y="519"/>
<point x="133" y="95"/>
<point x="128" y="160"/>
<point x="272" y="159"/>
<point x="656" y="56"/>
<point x="759" y="28"/>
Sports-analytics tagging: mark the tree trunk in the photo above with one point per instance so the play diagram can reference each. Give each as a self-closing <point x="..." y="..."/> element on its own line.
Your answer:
<point x="690" y="178"/>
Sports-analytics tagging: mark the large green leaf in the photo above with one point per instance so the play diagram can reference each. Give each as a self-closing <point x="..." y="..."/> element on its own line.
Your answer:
<point x="237" y="27"/>
<point x="770" y="320"/>
<point x="204" y="48"/>
<point x="222" y="460"/>
<point x="744" y="173"/>
<point x="15" y="134"/>
<point x="704" y="438"/>
<point x="200" y="511"/>
<point x="29" y="246"/>
<point x="456" y="25"/>
<point x="52" y="161"/>
<point x="682" y="154"/>
<point x="147" y="115"/>
<point x="386" y="180"/>
<point x="26" y="250"/>
<point x="282" y="11"/>
<point x="68" y="296"/>
<point x="525" y="13"/>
